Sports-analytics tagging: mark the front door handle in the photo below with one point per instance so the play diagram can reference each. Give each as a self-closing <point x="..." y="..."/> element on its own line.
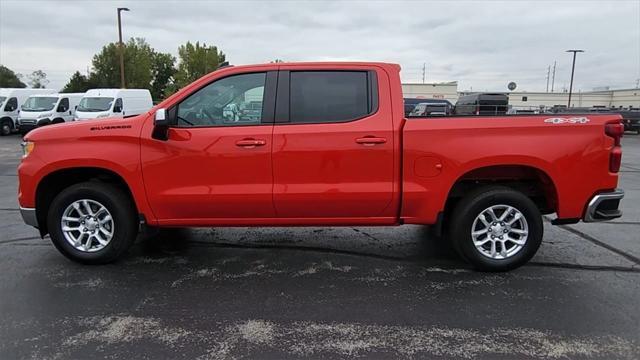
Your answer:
<point x="250" y="143"/>
<point x="370" y="140"/>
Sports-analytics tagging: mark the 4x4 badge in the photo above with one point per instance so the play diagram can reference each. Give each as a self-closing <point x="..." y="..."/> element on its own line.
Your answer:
<point x="571" y="120"/>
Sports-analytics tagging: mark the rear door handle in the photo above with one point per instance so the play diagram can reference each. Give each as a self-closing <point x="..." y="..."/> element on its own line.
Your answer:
<point x="371" y="140"/>
<point x="250" y="143"/>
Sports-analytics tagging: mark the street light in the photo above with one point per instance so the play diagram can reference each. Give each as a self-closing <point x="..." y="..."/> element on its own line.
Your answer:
<point x="120" y="45"/>
<point x="573" y="67"/>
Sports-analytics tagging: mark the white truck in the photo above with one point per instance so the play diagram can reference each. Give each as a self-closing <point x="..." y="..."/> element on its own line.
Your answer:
<point x="40" y="110"/>
<point x="10" y="102"/>
<point x="113" y="103"/>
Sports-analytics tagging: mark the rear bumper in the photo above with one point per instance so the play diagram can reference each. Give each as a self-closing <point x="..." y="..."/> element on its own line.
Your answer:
<point x="29" y="216"/>
<point x="604" y="206"/>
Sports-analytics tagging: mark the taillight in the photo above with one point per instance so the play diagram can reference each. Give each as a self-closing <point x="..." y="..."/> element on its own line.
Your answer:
<point x="615" y="130"/>
<point x="615" y="159"/>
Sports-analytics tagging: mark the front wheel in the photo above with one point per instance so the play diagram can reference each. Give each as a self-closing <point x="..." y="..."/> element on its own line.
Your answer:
<point x="92" y="222"/>
<point x="6" y="126"/>
<point x="496" y="228"/>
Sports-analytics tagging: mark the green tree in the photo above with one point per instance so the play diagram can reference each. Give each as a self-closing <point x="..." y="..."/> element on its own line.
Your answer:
<point x="163" y="70"/>
<point x="137" y="65"/>
<point x="78" y="83"/>
<point x="195" y="60"/>
<point x="9" y="79"/>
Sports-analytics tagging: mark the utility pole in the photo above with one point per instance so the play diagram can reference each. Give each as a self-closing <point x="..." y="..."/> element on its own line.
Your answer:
<point x="424" y="71"/>
<point x="121" y="46"/>
<point x="638" y="83"/>
<point x="548" y="73"/>
<point x="573" y="67"/>
<point x="553" y="79"/>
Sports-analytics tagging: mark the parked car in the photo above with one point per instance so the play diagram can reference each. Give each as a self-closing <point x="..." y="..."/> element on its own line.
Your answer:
<point x="431" y="109"/>
<point x="410" y="103"/>
<point x="631" y="120"/>
<point x="10" y="102"/>
<point x="113" y="103"/>
<point x="482" y="104"/>
<point x="330" y="148"/>
<point x="41" y="110"/>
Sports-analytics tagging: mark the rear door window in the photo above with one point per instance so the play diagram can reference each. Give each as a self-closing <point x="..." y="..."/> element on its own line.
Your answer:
<point x="329" y="96"/>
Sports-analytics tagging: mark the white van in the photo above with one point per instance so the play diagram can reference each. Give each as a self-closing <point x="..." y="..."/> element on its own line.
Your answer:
<point x="41" y="110"/>
<point x="116" y="103"/>
<point x="10" y="102"/>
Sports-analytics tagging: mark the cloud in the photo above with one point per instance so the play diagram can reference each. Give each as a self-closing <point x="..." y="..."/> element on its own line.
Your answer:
<point x="482" y="44"/>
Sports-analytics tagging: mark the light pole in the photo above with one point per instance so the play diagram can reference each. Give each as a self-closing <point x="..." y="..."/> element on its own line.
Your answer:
<point x="573" y="67"/>
<point x="120" y="45"/>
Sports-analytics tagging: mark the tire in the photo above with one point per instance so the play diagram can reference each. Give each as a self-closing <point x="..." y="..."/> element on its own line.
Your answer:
<point x="512" y="247"/>
<point x="6" y="126"/>
<point x="123" y="225"/>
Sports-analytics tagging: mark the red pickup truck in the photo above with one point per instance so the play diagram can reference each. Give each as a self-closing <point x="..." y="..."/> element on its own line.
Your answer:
<point x="321" y="144"/>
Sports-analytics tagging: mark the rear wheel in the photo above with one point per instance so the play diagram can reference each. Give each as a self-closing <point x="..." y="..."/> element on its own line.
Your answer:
<point x="92" y="223"/>
<point x="6" y="126"/>
<point x="496" y="228"/>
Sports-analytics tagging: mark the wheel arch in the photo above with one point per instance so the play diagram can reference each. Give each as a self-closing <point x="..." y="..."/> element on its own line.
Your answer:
<point x="531" y="180"/>
<point x="51" y="184"/>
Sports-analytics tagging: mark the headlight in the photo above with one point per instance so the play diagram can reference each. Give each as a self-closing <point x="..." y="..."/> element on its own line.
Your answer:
<point x="27" y="148"/>
<point x="46" y="115"/>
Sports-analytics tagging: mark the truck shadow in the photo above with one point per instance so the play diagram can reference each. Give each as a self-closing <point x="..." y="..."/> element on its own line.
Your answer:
<point x="406" y="243"/>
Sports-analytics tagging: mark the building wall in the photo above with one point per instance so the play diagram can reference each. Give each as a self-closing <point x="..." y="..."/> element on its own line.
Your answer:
<point x="550" y="99"/>
<point x="446" y="91"/>
<point x="626" y="98"/>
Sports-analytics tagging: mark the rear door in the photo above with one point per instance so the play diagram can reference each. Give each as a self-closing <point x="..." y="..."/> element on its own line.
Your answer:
<point x="332" y="144"/>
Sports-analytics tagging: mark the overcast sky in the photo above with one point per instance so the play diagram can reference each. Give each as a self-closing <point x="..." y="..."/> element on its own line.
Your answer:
<point x="481" y="44"/>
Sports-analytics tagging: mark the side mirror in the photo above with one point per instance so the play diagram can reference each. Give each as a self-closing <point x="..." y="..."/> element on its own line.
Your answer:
<point x="160" y="125"/>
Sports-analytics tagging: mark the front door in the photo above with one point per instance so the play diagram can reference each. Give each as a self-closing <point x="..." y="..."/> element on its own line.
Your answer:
<point x="333" y="145"/>
<point x="216" y="163"/>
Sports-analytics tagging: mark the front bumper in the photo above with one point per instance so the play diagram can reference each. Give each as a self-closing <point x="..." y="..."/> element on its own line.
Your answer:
<point x="29" y="216"/>
<point x="604" y="206"/>
<point x="24" y="128"/>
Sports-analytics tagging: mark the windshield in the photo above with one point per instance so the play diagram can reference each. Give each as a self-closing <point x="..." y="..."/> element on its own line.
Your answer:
<point x="95" y="104"/>
<point x="39" y="103"/>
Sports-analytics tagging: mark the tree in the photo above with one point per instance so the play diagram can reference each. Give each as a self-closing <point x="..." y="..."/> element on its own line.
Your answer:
<point x="163" y="70"/>
<point x="195" y="61"/>
<point x="9" y="79"/>
<point x="78" y="83"/>
<point x="137" y="65"/>
<point x="38" y="79"/>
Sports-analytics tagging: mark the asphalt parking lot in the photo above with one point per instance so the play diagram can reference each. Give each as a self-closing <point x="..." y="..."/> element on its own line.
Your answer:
<point x="321" y="292"/>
